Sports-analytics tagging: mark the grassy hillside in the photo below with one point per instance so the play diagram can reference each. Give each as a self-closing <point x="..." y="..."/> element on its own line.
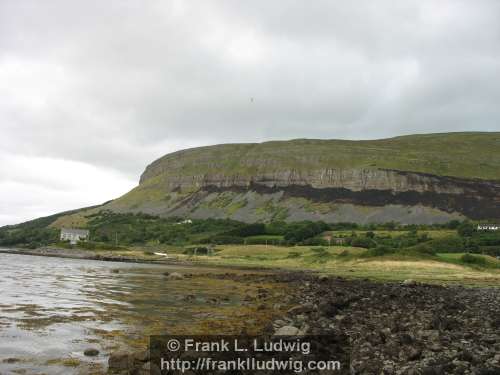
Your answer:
<point x="467" y="155"/>
<point x="172" y="185"/>
<point x="447" y="268"/>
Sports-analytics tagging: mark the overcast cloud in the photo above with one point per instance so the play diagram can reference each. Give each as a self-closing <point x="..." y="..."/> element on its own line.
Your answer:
<point x="93" y="91"/>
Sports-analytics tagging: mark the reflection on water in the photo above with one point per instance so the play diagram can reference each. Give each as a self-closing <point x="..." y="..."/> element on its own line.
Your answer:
<point x="52" y="309"/>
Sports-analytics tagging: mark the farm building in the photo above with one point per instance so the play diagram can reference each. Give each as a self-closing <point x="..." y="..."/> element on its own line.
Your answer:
<point x="74" y="235"/>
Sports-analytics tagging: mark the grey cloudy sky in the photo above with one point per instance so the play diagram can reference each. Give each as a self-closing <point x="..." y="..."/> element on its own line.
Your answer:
<point x="92" y="91"/>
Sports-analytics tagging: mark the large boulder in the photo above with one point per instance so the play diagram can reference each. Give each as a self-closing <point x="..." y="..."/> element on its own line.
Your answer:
<point x="91" y="352"/>
<point x="120" y="361"/>
<point x="287" y="331"/>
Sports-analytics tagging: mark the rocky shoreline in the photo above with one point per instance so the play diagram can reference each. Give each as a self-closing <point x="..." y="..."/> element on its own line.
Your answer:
<point x="392" y="328"/>
<point x="405" y="328"/>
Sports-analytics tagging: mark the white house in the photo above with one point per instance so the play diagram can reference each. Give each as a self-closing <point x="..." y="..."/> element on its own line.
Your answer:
<point x="187" y="221"/>
<point x="488" y="227"/>
<point x="74" y="235"/>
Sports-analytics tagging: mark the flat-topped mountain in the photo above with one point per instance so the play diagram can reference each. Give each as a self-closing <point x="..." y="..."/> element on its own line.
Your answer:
<point x="430" y="178"/>
<point x="410" y="179"/>
<point x="467" y="155"/>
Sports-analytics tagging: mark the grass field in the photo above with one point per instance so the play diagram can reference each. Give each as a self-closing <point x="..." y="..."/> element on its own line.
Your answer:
<point x="392" y="233"/>
<point x="350" y="262"/>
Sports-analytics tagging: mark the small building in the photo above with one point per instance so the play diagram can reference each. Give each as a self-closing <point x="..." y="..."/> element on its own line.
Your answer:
<point x="187" y="221"/>
<point x="488" y="227"/>
<point x="74" y="235"/>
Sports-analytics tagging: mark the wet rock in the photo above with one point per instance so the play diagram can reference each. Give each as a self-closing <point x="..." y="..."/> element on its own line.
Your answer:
<point x="91" y="352"/>
<point x="287" y="331"/>
<point x="414" y="354"/>
<point x="175" y="276"/>
<point x="120" y="361"/>
<point x="279" y="323"/>
<point x="11" y="360"/>
<point x="328" y="308"/>
<point x="488" y="370"/>
<point x="404" y="328"/>
<point x="491" y="339"/>
<point x="432" y="370"/>
<point x="142" y="356"/>
<point x="149" y="368"/>
<point x="405" y="338"/>
<point x="435" y="347"/>
<point x="385" y="334"/>
<point x="409" y="282"/>
<point x="444" y="323"/>
<point x="301" y="309"/>
<point x="467" y="356"/>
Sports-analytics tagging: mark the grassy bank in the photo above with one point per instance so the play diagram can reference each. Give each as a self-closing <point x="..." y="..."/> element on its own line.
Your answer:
<point x="343" y="261"/>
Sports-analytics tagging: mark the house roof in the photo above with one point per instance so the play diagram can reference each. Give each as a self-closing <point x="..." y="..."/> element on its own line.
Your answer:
<point x="80" y="232"/>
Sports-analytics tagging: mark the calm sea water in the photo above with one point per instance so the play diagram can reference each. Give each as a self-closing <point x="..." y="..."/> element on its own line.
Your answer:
<point x="52" y="309"/>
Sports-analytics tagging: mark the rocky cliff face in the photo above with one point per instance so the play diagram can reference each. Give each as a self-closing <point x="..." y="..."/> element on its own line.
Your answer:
<point x="328" y="180"/>
<point x="351" y="179"/>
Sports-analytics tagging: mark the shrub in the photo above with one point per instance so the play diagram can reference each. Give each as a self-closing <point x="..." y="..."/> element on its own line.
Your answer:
<point x="494" y="251"/>
<point x="315" y="241"/>
<point x="473" y="259"/>
<point x="344" y="226"/>
<point x="391" y="225"/>
<point x="450" y="244"/>
<point x="248" y="230"/>
<point x="420" y="249"/>
<point x="488" y="238"/>
<point x="227" y="240"/>
<point x="380" y="251"/>
<point x="263" y="240"/>
<point x="297" y="232"/>
<point x="454" y="224"/>
<point x="466" y="229"/>
<point x="365" y="242"/>
<point x="276" y="228"/>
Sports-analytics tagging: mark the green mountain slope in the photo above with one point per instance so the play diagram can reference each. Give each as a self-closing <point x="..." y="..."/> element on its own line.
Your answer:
<point x="411" y="179"/>
<point x="416" y="179"/>
<point x="468" y="155"/>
